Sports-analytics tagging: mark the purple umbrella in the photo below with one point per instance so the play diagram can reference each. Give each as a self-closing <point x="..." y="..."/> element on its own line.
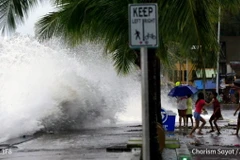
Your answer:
<point x="183" y="90"/>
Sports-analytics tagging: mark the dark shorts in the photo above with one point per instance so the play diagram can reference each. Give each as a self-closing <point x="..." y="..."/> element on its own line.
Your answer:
<point x="215" y="116"/>
<point x="239" y="116"/>
<point x="182" y="113"/>
<point x="189" y="115"/>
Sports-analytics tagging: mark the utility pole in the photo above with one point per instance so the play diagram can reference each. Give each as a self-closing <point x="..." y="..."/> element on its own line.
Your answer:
<point x="218" y="54"/>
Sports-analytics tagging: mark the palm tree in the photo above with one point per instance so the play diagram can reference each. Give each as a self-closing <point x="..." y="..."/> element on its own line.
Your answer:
<point x="178" y="21"/>
<point x="186" y="23"/>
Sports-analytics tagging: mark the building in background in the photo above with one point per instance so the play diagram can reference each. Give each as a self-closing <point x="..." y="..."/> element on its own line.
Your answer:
<point x="229" y="61"/>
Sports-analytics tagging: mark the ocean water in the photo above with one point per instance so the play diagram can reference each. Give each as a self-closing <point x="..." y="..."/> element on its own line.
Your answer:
<point x="49" y="86"/>
<point x="52" y="87"/>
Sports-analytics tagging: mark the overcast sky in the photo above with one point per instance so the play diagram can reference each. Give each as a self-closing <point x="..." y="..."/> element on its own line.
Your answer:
<point x="34" y="15"/>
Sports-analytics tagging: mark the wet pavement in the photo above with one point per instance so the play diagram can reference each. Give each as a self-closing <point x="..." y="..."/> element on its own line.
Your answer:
<point x="92" y="143"/>
<point x="81" y="145"/>
<point x="212" y="146"/>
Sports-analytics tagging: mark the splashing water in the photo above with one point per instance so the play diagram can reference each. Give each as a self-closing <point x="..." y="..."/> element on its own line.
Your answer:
<point x="47" y="86"/>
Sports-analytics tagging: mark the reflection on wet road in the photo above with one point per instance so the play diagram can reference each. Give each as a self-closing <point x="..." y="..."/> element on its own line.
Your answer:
<point x="81" y="145"/>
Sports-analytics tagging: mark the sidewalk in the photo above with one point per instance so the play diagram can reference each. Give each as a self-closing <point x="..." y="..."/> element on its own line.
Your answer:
<point x="209" y="146"/>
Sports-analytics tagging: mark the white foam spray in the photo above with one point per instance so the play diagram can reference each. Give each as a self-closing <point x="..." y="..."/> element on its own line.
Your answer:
<point x="52" y="87"/>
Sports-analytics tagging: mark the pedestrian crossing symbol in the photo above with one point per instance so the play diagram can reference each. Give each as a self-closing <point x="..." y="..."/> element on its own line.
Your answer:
<point x="143" y="25"/>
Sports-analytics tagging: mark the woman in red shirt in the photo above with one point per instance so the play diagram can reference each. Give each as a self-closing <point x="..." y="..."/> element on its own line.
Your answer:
<point x="200" y="103"/>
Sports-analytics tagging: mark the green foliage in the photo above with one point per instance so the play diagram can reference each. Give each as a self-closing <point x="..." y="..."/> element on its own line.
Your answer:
<point x="102" y="21"/>
<point x="182" y="24"/>
<point x="12" y="12"/>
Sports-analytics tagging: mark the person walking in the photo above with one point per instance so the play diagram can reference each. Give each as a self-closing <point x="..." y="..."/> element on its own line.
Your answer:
<point x="189" y="110"/>
<point x="200" y="103"/>
<point x="238" y="119"/>
<point x="216" y="112"/>
<point x="182" y="108"/>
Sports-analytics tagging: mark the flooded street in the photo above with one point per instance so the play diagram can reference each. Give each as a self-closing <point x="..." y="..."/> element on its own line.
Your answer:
<point x="84" y="144"/>
<point x="75" y="101"/>
<point x="74" y="95"/>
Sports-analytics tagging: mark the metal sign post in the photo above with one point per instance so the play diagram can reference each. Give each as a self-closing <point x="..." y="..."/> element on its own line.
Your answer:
<point x="145" y="105"/>
<point x="143" y="34"/>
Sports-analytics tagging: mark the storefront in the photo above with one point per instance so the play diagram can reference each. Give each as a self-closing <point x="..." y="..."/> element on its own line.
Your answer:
<point x="209" y="84"/>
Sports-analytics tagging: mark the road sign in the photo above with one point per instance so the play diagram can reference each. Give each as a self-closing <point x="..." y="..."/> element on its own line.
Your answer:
<point x="143" y="25"/>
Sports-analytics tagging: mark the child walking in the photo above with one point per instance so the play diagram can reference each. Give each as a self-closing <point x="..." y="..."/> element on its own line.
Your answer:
<point x="200" y="103"/>
<point x="189" y="110"/>
<point x="216" y="112"/>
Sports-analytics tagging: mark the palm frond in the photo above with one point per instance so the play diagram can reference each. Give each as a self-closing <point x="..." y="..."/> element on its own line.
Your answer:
<point x="13" y="12"/>
<point x="187" y="23"/>
<point x="123" y="59"/>
<point x="103" y="21"/>
<point x="190" y="23"/>
<point x="50" y="25"/>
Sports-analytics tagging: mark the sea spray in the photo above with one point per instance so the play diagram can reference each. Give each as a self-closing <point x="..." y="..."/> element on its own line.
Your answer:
<point x="49" y="86"/>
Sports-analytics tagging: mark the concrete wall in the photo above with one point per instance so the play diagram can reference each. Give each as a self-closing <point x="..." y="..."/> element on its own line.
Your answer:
<point x="232" y="47"/>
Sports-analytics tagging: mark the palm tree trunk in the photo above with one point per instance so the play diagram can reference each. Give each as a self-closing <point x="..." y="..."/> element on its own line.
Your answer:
<point x="154" y="102"/>
<point x="154" y="83"/>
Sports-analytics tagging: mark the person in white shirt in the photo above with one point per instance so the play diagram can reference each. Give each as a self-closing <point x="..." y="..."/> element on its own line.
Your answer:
<point x="182" y="109"/>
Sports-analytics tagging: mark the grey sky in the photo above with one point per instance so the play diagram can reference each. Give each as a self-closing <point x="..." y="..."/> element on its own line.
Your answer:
<point x="36" y="13"/>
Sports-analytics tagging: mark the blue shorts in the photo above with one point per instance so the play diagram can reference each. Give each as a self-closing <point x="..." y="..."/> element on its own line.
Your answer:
<point x="197" y="116"/>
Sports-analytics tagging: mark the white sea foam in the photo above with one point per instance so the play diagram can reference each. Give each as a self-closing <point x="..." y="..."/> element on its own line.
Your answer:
<point x="52" y="87"/>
